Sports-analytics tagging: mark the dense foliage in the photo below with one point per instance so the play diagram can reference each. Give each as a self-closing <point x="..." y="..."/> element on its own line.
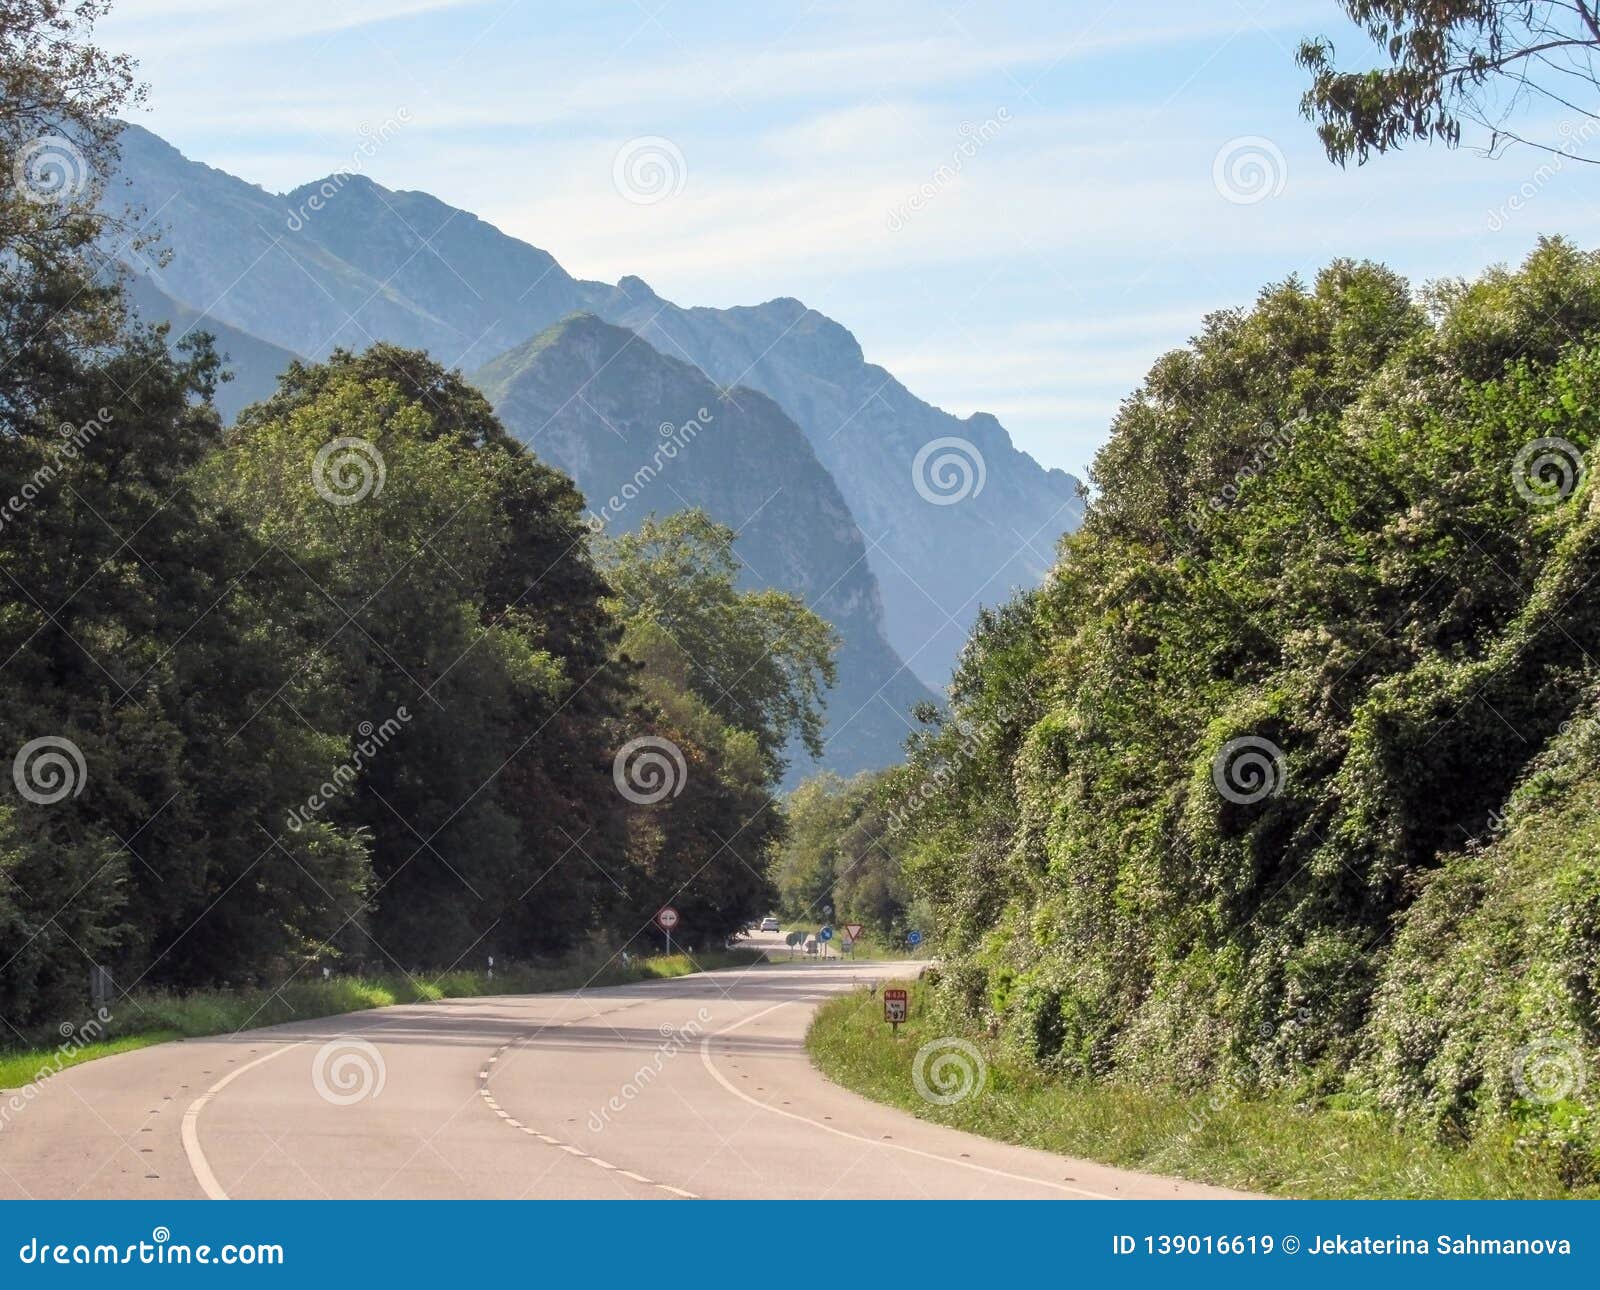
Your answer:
<point x="840" y="858"/>
<point x="344" y="683"/>
<point x="1455" y="62"/>
<point x="1224" y="804"/>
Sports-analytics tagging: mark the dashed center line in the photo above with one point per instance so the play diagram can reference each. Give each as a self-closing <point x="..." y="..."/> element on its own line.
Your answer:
<point x="570" y="1148"/>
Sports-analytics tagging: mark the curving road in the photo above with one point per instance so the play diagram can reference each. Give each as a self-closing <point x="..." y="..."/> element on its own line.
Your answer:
<point x="697" y="1087"/>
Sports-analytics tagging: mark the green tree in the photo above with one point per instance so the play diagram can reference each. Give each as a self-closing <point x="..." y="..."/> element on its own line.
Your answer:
<point x="1453" y="63"/>
<point x="760" y="660"/>
<point x="1325" y="618"/>
<point x="839" y="852"/>
<point x="440" y="577"/>
<point x="135" y="669"/>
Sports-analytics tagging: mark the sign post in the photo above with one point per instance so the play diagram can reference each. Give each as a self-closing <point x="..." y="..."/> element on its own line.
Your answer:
<point x="853" y="932"/>
<point x="666" y="920"/>
<point x="825" y="935"/>
<point x="894" y="1007"/>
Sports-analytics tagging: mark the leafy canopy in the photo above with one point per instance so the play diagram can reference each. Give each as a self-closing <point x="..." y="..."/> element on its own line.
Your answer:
<point x="760" y="660"/>
<point x="1455" y="62"/>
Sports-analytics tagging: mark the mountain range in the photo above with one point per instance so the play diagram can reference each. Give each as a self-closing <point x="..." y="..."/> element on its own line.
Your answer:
<point x="601" y="404"/>
<point x="896" y="520"/>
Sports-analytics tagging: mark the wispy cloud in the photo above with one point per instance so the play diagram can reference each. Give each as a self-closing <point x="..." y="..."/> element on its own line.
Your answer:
<point x="1036" y="276"/>
<point x="154" y="27"/>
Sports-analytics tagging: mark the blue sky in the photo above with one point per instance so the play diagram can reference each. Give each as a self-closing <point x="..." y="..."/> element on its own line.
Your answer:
<point x="1093" y="219"/>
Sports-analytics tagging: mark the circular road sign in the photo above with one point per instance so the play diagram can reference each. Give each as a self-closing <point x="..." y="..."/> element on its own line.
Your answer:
<point x="667" y="917"/>
<point x="826" y="934"/>
<point x="913" y="938"/>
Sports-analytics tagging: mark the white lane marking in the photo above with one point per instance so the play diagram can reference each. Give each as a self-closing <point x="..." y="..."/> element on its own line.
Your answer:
<point x="198" y="1164"/>
<point x="201" y="1168"/>
<point x="569" y="1148"/>
<point x="705" y="1059"/>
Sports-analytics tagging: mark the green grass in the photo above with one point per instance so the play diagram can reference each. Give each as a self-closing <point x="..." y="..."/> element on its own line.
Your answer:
<point x="1278" y="1148"/>
<point x="143" y="1018"/>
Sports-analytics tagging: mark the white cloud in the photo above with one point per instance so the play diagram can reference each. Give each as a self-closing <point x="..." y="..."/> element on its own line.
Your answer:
<point x="149" y="27"/>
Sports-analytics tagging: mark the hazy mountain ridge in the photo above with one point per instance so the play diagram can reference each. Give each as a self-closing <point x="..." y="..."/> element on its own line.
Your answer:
<point x="252" y="364"/>
<point x="934" y="562"/>
<point x="344" y="261"/>
<point x="339" y="263"/>
<point x="598" y="402"/>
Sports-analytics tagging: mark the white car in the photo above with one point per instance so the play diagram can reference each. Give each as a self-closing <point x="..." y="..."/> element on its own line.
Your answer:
<point x="769" y="925"/>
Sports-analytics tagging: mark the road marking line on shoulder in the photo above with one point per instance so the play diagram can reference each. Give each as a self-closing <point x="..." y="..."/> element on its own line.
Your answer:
<point x="705" y="1060"/>
<point x="190" y="1131"/>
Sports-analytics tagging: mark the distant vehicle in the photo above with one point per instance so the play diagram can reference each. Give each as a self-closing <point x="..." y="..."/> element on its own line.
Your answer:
<point x="770" y="925"/>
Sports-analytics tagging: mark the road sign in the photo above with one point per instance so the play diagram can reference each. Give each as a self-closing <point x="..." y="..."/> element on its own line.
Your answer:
<point x="913" y="938"/>
<point x="826" y="934"/>
<point x="853" y="931"/>
<point x="894" y="1006"/>
<point x="846" y="945"/>
<point x="666" y="918"/>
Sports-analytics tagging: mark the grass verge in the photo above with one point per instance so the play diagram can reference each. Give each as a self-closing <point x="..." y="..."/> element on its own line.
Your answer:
<point x="1279" y="1148"/>
<point x="144" y="1018"/>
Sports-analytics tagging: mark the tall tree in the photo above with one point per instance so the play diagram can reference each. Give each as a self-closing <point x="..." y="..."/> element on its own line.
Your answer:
<point x="441" y="576"/>
<point x="760" y="660"/>
<point x="1455" y="63"/>
<point x="135" y="672"/>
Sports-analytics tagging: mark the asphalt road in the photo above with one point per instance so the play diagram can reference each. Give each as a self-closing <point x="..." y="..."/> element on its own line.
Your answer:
<point x="697" y="1087"/>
